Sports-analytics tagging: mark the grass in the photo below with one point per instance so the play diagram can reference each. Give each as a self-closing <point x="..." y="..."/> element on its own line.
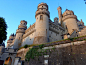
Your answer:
<point x="75" y="38"/>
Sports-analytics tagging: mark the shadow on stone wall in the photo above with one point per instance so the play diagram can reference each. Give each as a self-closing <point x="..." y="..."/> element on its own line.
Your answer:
<point x="70" y="55"/>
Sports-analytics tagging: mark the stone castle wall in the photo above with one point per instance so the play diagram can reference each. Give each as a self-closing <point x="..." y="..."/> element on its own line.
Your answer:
<point x="64" y="54"/>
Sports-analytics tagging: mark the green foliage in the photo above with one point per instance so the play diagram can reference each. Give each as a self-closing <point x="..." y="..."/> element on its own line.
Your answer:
<point x="41" y="46"/>
<point x="71" y="39"/>
<point x="33" y="52"/>
<point x="3" y="28"/>
<point x="53" y="48"/>
<point x="73" y="53"/>
<point x="25" y="46"/>
<point x="84" y="39"/>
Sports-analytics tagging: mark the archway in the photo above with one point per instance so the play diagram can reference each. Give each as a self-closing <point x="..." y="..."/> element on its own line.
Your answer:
<point x="8" y="61"/>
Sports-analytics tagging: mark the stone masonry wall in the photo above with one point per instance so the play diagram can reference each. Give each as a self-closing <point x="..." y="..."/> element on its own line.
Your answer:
<point x="64" y="54"/>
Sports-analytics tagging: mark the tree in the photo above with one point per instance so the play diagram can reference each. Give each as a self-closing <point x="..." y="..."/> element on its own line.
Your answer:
<point x="3" y="28"/>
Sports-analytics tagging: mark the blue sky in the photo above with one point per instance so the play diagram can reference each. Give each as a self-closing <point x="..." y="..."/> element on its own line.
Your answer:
<point x="16" y="10"/>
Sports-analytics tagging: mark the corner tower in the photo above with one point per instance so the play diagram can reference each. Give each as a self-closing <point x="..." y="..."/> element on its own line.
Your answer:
<point x="10" y="40"/>
<point x="19" y="34"/>
<point x="42" y="24"/>
<point x="70" y="21"/>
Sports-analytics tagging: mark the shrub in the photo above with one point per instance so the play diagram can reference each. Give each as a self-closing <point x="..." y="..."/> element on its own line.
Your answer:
<point x="25" y="46"/>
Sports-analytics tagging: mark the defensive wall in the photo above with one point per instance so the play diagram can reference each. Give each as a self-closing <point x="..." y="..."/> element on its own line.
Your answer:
<point x="66" y="52"/>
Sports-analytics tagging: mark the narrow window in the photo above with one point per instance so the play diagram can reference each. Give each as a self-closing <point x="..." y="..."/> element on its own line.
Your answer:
<point x="46" y="31"/>
<point x="77" y="35"/>
<point x="19" y="37"/>
<point x="66" y="27"/>
<point x="41" y="17"/>
<point x="62" y="37"/>
<point x="51" y="32"/>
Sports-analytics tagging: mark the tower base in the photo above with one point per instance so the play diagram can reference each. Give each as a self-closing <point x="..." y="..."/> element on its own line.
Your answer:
<point x="40" y="40"/>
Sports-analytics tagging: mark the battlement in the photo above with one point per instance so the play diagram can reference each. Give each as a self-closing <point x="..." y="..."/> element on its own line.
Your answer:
<point x="69" y="16"/>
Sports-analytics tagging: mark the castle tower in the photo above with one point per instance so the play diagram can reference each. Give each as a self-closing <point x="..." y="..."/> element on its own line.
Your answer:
<point x="42" y="24"/>
<point x="10" y="40"/>
<point x="56" y="20"/>
<point x="60" y="14"/>
<point x="19" y="34"/>
<point x="70" y="21"/>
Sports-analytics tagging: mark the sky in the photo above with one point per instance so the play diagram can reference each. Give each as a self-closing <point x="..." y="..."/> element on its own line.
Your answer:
<point x="13" y="11"/>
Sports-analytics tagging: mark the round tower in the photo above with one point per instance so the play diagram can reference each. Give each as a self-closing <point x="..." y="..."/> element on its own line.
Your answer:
<point x="70" y="21"/>
<point x="19" y="34"/>
<point x="42" y="24"/>
<point x="60" y="14"/>
<point x="10" y="40"/>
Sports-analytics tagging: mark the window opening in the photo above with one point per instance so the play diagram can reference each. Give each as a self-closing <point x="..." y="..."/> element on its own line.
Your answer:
<point x="46" y="31"/>
<point x="41" y="17"/>
<point x="19" y="37"/>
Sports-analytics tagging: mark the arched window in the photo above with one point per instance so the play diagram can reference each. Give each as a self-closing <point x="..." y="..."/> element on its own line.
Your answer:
<point x="41" y="17"/>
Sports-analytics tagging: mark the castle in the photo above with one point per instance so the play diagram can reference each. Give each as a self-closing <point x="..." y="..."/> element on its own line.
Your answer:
<point x="45" y="30"/>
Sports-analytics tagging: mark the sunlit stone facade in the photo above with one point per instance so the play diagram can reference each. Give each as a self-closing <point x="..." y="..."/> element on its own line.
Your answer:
<point x="45" y="30"/>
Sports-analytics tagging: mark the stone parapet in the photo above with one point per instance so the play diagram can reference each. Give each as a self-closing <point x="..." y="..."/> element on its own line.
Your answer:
<point x="9" y="41"/>
<point x="43" y="12"/>
<point x="52" y="25"/>
<point x="81" y="27"/>
<point x="68" y="12"/>
<point x="20" y="31"/>
<point x="22" y="26"/>
<point x="23" y="21"/>
<point x="54" y="30"/>
<point x="28" y="33"/>
<point x="69" y="16"/>
<point x="31" y="27"/>
<point x="43" y="4"/>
